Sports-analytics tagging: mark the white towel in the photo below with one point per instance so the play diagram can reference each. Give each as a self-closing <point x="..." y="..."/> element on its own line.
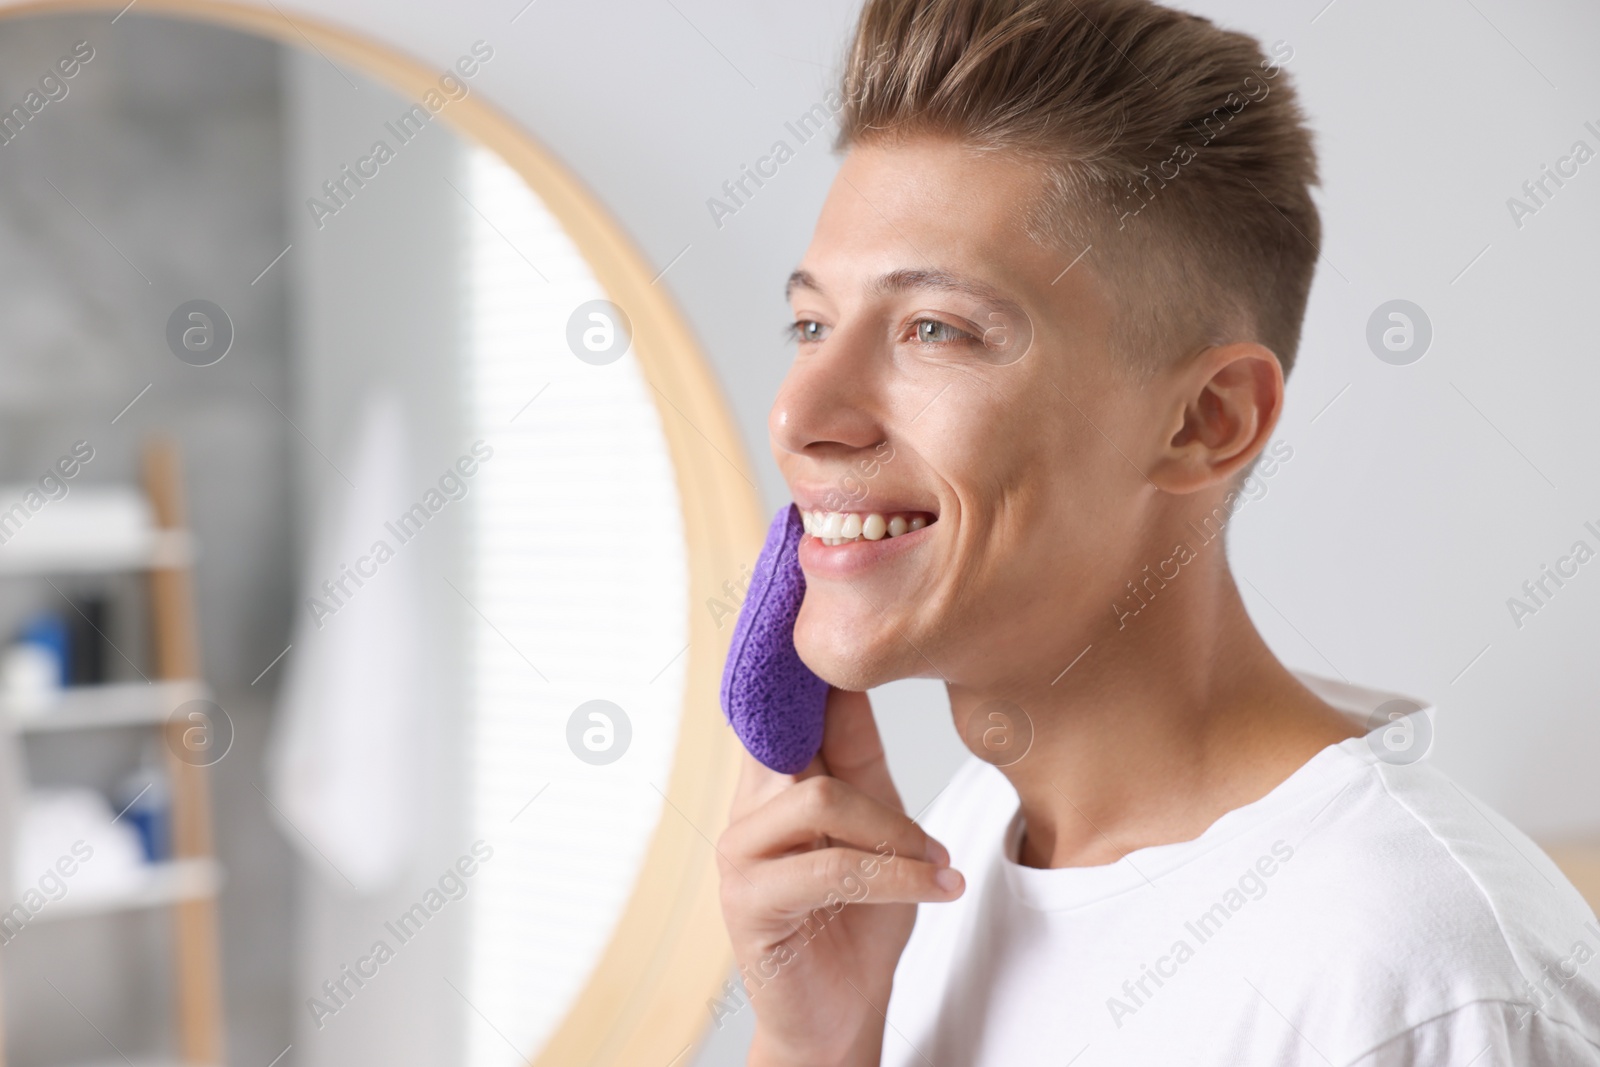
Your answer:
<point x="344" y="762"/>
<point x="108" y="860"/>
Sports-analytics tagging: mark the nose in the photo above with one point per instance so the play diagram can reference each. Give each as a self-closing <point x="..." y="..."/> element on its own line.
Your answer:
<point x="828" y="402"/>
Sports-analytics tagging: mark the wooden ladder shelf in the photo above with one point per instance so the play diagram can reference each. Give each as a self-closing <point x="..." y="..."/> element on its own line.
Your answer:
<point x="188" y="883"/>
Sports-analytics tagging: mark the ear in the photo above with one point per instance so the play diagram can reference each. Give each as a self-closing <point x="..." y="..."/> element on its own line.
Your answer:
<point x="1227" y="402"/>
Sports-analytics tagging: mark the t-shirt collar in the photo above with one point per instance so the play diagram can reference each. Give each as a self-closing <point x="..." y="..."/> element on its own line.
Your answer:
<point x="1393" y="723"/>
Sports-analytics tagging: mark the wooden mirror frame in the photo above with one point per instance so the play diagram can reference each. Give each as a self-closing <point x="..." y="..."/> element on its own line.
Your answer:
<point x="645" y="1000"/>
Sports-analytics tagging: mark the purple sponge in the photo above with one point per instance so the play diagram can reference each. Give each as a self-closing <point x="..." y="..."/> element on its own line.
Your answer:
<point x="773" y="701"/>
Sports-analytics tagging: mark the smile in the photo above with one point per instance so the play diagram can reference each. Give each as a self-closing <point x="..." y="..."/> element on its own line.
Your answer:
<point x="842" y="527"/>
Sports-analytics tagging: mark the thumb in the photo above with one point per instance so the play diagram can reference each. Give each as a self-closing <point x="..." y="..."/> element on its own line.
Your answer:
<point x="852" y="749"/>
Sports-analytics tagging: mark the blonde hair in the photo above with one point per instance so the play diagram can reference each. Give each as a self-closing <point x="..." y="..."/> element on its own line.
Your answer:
<point x="1173" y="151"/>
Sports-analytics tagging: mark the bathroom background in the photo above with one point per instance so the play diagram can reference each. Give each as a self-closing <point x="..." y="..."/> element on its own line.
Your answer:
<point x="1421" y="497"/>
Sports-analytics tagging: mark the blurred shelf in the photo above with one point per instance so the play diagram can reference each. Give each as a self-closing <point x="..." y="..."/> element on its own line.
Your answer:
<point x="91" y="707"/>
<point x="61" y="527"/>
<point x="141" y="550"/>
<point x="160" y="884"/>
<point x="91" y="529"/>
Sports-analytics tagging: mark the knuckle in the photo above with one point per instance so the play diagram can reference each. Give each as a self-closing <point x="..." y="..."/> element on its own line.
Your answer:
<point x="728" y="895"/>
<point x="727" y="874"/>
<point x="820" y="796"/>
<point x="898" y="874"/>
<point x="829" y="866"/>
<point x="730" y="849"/>
<point x="728" y="842"/>
<point x="736" y="894"/>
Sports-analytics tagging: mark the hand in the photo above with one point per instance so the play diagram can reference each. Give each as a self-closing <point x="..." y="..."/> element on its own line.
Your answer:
<point x="821" y="875"/>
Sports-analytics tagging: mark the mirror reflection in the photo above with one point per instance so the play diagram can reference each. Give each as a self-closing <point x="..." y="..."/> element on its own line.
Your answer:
<point x="333" y="499"/>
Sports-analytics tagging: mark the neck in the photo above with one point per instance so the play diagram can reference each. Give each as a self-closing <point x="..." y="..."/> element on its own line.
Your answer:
<point x="1164" y="725"/>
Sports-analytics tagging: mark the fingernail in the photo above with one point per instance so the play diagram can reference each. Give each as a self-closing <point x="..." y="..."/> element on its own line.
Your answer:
<point x="948" y="879"/>
<point x="936" y="853"/>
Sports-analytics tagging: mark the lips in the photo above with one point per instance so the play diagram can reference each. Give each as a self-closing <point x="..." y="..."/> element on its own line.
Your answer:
<point x="835" y="558"/>
<point x="847" y="545"/>
<point x="840" y="527"/>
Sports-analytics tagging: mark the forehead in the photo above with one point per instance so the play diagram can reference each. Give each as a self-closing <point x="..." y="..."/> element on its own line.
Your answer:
<point x="929" y="205"/>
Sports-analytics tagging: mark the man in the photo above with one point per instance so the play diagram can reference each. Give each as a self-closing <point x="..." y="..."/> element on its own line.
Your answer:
<point x="1061" y="274"/>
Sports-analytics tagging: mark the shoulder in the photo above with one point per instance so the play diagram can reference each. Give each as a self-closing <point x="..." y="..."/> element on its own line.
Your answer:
<point x="1442" y="853"/>
<point x="1427" y="902"/>
<point x="1490" y="1033"/>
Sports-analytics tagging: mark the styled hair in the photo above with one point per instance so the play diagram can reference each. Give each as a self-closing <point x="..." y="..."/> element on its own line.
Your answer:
<point x="1176" y="159"/>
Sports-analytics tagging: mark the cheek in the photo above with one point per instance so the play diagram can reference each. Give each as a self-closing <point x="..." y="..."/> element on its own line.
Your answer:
<point x="1038" y="490"/>
<point x="991" y="445"/>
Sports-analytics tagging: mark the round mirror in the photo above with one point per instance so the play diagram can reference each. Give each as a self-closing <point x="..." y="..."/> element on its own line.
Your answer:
<point x="392" y="576"/>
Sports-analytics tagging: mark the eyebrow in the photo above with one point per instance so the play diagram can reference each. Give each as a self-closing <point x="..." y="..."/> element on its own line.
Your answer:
<point x="906" y="280"/>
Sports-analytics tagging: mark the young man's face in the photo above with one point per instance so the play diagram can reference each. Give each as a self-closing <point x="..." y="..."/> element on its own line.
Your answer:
<point x="1006" y="419"/>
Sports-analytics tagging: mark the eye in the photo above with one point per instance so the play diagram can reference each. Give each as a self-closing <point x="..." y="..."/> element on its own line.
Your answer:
<point x="806" y="331"/>
<point x="934" y="332"/>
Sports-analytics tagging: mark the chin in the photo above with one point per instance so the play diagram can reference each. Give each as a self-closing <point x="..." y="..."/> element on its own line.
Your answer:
<point x="852" y="660"/>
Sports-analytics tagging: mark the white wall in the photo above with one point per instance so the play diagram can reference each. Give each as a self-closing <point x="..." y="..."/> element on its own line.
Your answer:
<point x="1427" y="494"/>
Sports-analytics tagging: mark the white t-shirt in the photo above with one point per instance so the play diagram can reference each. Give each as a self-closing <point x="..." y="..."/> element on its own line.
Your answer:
<point x="1365" y="912"/>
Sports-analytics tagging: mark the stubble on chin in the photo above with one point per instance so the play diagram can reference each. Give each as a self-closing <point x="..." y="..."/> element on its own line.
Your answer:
<point x="859" y="663"/>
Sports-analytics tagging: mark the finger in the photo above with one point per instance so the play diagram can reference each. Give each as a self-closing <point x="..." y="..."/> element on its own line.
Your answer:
<point x="756" y="786"/>
<point x="796" y="885"/>
<point x="852" y="749"/>
<point x="758" y="783"/>
<point x="823" y="807"/>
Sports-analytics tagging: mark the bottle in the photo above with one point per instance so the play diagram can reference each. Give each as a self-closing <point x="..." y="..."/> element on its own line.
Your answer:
<point x="49" y="630"/>
<point x="145" y="799"/>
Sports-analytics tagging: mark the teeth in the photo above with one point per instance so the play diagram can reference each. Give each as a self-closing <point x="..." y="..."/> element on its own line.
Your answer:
<point x="837" y="527"/>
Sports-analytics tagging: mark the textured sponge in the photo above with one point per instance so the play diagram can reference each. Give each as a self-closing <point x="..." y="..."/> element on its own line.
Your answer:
<point x="773" y="701"/>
